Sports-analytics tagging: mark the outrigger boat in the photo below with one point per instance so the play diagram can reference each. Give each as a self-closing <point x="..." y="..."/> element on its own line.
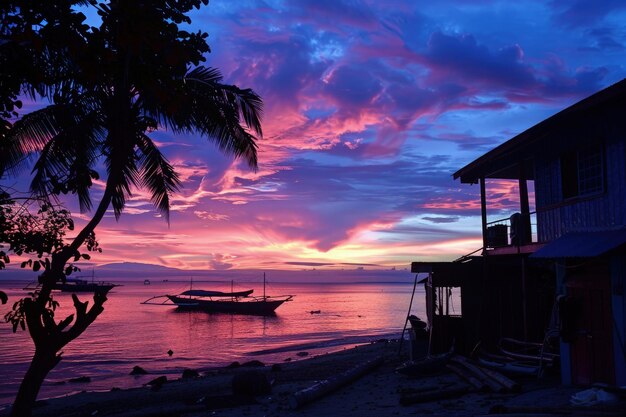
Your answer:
<point x="235" y="302"/>
<point x="79" y="284"/>
<point x="82" y="285"/>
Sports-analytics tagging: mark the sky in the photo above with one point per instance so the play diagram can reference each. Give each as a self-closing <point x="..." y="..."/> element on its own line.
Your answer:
<point x="369" y="108"/>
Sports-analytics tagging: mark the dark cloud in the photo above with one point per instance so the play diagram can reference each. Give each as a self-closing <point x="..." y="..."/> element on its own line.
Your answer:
<point x="603" y="40"/>
<point x="464" y="57"/>
<point x="439" y="220"/>
<point x="352" y="86"/>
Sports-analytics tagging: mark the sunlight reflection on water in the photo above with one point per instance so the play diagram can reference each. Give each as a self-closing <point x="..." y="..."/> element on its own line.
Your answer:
<point x="129" y="333"/>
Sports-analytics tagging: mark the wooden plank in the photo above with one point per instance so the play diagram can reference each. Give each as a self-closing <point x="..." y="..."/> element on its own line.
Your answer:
<point x="473" y="381"/>
<point x="318" y="390"/>
<point x="494" y="385"/>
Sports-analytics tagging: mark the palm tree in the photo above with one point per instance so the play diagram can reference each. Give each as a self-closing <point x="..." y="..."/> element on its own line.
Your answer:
<point x="136" y="73"/>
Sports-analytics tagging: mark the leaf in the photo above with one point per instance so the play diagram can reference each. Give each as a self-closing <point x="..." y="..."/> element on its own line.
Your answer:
<point x="86" y="256"/>
<point x="3" y="297"/>
<point x="36" y="266"/>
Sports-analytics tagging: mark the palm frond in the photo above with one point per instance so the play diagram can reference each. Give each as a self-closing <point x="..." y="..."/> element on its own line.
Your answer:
<point x="223" y="113"/>
<point x="157" y="174"/>
<point x="205" y="74"/>
<point x="248" y="104"/>
<point x="66" y="159"/>
<point x="28" y="136"/>
<point x="11" y="155"/>
<point x="122" y="175"/>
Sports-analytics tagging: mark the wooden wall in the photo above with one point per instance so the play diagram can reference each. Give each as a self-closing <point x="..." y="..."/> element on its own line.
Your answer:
<point x="556" y="217"/>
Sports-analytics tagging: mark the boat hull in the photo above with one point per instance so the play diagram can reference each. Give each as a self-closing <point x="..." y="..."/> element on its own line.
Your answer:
<point x="252" y="307"/>
<point x="88" y="287"/>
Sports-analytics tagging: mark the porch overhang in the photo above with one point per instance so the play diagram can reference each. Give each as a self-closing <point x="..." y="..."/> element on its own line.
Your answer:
<point x="449" y="274"/>
<point x="583" y="244"/>
<point x="504" y="161"/>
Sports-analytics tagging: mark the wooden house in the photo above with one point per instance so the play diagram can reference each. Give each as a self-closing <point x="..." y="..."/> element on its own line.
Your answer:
<point x="559" y="270"/>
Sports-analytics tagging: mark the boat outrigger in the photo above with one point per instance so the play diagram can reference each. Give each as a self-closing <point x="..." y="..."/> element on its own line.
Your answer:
<point x="236" y="302"/>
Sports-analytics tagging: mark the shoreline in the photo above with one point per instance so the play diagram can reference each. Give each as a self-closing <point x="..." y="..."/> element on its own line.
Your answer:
<point x="376" y="393"/>
<point x="124" y="381"/>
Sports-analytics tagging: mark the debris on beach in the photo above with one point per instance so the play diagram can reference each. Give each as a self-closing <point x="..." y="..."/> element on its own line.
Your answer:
<point x="592" y="396"/>
<point x="156" y="383"/>
<point x="251" y="384"/>
<point x="80" y="379"/>
<point x="190" y="373"/>
<point x="493" y="379"/>
<point x="138" y="370"/>
<point x="318" y="390"/>
<point x="253" y="364"/>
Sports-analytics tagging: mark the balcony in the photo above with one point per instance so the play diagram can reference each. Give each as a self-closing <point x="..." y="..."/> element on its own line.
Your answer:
<point x="512" y="235"/>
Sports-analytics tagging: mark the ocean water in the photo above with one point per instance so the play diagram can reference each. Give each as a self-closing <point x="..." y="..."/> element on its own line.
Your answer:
<point x="129" y="333"/>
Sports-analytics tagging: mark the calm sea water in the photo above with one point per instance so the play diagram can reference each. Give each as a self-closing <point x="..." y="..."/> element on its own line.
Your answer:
<point x="129" y="333"/>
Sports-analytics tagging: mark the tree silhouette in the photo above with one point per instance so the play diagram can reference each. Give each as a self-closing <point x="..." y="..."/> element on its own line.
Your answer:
<point x="110" y="86"/>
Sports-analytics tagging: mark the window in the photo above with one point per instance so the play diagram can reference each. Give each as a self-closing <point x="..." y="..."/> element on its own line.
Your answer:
<point x="582" y="172"/>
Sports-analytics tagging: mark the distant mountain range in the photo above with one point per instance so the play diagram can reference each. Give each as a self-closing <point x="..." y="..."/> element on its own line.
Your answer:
<point x="118" y="272"/>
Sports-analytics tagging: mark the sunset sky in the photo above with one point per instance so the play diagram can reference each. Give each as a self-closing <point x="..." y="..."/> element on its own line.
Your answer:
<point x="370" y="106"/>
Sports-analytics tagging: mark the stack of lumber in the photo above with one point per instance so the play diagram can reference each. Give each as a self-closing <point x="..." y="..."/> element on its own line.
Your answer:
<point x="478" y="378"/>
<point x="481" y="378"/>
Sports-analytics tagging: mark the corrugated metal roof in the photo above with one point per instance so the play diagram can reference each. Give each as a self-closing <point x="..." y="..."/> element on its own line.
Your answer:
<point x="583" y="244"/>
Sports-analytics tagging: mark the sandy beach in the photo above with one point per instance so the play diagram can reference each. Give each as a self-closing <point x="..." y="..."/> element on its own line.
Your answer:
<point x="377" y="392"/>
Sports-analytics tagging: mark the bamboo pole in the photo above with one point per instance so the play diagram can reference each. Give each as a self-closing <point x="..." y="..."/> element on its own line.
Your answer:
<point x="406" y="320"/>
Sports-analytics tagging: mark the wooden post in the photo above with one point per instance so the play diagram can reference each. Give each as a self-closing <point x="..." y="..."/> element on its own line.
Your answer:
<point x="526" y="231"/>
<point x="406" y="320"/>
<point x="483" y="210"/>
<point x="525" y="238"/>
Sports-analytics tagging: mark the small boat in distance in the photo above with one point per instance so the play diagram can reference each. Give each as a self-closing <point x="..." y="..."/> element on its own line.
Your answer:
<point x="82" y="285"/>
<point x="235" y="302"/>
<point x="79" y="284"/>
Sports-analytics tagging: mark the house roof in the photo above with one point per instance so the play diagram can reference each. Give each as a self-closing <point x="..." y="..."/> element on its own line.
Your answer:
<point x="503" y="161"/>
<point x="583" y="244"/>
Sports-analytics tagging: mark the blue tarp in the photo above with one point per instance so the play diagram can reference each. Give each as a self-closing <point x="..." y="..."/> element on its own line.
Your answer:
<point x="583" y="244"/>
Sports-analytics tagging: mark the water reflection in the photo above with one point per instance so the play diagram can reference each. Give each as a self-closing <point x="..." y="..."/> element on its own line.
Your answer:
<point x="129" y="333"/>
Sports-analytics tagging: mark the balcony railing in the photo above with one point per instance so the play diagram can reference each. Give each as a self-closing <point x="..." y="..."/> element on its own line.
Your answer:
<point x="516" y="230"/>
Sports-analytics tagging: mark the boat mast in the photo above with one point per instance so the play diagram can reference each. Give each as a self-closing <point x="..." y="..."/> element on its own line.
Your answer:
<point x="264" y="297"/>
